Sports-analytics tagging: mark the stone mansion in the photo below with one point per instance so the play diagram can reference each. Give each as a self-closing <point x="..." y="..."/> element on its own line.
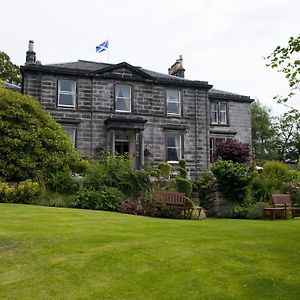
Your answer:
<point x="128" y="109"/>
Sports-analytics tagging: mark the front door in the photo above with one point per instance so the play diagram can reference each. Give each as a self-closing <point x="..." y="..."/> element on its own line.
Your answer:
<point x="125" y="144"/>
<point x="122" y="147"/>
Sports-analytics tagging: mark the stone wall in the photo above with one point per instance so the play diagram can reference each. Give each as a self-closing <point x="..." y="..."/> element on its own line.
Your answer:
<point x="95" y="103"/>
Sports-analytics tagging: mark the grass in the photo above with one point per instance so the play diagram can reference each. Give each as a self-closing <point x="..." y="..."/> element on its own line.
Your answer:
<point x="59" y="253"/>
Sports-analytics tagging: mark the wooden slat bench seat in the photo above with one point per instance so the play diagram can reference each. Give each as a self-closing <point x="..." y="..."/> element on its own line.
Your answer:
<point x="163" y="199"/>
<point x="280" y="203"/>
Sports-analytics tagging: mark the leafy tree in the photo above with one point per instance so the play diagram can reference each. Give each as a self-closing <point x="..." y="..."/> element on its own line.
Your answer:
<point x="263" y="132"/>
<point x="286" y="61"/>
<point x="288" y="138"/>
<point x="9" y="72"/>
<point x="233" y="150"/>
<point x="31" y="142"/>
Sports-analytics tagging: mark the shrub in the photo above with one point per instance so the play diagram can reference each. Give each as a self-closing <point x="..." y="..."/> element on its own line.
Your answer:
<point x="106" y="198"/>
<point x="233" y="179"/>
<point x="164" y="169"/>
<point x="233" y="150"/>
<point x="133" y="182"/>
<point x="135" y="206"/>
<point x="115" y="171"/>
<point x="62" y="182"/>
<point x="275" y="177"/>
<point x="277" y="170"/>
<point x="182" y="168"/>
<point x="204" y="186"/>
<point x="239" y="211"/>
<point x="293" y="188"/>
<point x="50" y="198"/>
<point x="32" y="142"/>
<point x="256" y="210"/>
<point x="26" y="192"/>
<point x="184" y="186"/>
<point x="6" y="192"/>
<point x="170" y="213"/>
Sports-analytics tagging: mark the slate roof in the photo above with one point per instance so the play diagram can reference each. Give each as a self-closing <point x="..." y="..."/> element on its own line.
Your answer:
<point x="219" y="94"/>
<point x="91" y="68"/>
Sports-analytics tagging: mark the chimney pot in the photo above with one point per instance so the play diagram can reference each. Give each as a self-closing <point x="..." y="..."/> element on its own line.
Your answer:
<point x="30" y="54"/>
<point x="177" y="68"/>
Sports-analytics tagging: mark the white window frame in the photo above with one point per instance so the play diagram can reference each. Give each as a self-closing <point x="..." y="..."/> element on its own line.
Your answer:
<point x="172" y="101"/>
<point x="74" y="132"/>
<point x="222" y="112"/>
<point x="217" y="112"/>
<point x="178" y="135"/>
<point x="124" y="98"/>
<point x="62" y="92"/>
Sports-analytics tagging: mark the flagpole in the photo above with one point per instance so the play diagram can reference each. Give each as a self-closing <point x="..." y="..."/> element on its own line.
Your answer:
<point x="108" y="52"/>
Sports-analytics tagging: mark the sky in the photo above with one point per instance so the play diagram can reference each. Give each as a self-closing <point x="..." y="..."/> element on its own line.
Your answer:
<point x="222" y="42"/>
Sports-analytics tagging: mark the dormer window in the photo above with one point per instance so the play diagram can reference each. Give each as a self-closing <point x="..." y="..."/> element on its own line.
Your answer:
<point x="66" y="93"/>
<point x="218" y="113"/>
<point x="173" y="102"/>
<point x="122" y="98"/>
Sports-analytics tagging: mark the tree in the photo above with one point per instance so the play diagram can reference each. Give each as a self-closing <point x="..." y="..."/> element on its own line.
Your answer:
<point x="263" y="132"/>
<point x="9" y="72"/>
<point x="288" y="138"/>
<point x="286" y="61"/>
<point x="32" y="144"/>
<point x="233" y="150"/>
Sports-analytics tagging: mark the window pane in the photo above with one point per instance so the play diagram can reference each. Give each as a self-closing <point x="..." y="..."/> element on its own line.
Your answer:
<point x="173" y="154"/>
<point x="173" y="96"/>
<point x="173" y="140"/>
<point x="173" y="108"/>
<point x="67" y="85"/>
<point x="223" y="119"/>
<point x="214" y="113"/>
<point x="123" y="104"/>
<point x="71" y="132"/>
<point x="173" y="102"/>
<point x="173" y="147"/>
<point x="65" y="99"/>
<point x="223" y="113"/>
<point x="123" y="91"/>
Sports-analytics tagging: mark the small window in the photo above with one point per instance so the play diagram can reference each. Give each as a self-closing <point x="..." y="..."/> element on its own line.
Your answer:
<point x="174" y="147"/>
<point x="67" y="93"/>
<point x="123" y="98"/>
<point x="71" y="131"/>
<point x="173" y="103"/>
<point x="218" y="113"/>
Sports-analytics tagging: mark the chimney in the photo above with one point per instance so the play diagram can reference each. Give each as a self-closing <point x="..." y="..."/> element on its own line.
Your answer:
<point x="177" y="68"/>
<point x="30" y="54"/>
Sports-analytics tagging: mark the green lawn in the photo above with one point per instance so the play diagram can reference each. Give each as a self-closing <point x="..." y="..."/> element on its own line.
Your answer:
<point x="55" y="253"/>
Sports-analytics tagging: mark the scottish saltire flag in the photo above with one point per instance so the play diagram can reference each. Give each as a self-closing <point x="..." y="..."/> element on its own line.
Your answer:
<point x="102" y="47"/>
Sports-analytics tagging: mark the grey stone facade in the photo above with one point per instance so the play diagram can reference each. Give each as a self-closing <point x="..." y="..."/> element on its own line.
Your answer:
<point x="96" y="122"/>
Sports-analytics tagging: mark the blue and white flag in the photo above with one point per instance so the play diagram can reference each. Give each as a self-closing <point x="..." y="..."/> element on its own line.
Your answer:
<point x="102" y="47"/>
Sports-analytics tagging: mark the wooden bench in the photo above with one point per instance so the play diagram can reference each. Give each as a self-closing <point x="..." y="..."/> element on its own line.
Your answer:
<point x="163" y="199"/>
<point x="281" y="203"/>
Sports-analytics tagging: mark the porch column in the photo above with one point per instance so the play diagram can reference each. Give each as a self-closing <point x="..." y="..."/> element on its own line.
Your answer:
<point x="112" y="141"/>
<point x="141" y="150"/>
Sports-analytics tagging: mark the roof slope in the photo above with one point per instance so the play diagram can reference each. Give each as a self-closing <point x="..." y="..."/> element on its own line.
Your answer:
<point x="91" y="68"/>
